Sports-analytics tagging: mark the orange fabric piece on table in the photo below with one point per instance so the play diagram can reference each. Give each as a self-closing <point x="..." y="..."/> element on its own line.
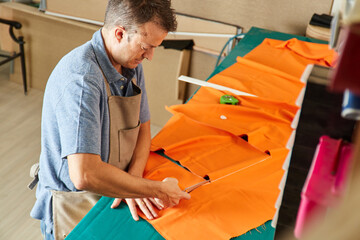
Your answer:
<point x="259" y="80"/>
<point x="200" y="152"/>
<point x="225" y="208"/>
<point x="285" y="111"/>
<point x="205" y="137"/>
<point x="180" y="128"/>
<point x="215" y="156"/>
<point x="238" y="121"/>
<point x="291" y="56"/>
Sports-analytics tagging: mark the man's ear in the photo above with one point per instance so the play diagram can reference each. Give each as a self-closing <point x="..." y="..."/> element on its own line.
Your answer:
<point x="119" y="33"/>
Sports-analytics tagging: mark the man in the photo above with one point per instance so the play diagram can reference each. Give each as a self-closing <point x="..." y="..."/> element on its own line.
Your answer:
<point x="95" y="121"/>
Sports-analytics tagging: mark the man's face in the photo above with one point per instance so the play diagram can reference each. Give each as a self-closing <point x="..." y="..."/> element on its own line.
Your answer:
<point x="132" y="48"/>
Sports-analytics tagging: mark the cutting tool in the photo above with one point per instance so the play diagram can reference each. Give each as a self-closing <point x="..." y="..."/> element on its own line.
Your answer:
<point x="193" y="187"/>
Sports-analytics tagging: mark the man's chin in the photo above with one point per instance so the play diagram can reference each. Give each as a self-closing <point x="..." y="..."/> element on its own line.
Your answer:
<point x="131" y="66"/>
<point x="138" y="62"/>
<point x="134" y="65"/>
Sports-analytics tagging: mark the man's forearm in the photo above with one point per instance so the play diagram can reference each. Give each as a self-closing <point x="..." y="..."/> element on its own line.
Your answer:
<point x="91" y="174"/>
<point x="88" y="172"/>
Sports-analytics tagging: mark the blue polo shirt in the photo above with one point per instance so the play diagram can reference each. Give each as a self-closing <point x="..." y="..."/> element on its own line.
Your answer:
<point x="75" y="116"/>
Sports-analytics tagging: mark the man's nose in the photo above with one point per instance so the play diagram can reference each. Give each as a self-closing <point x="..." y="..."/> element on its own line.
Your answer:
<point x="149" y="54"/>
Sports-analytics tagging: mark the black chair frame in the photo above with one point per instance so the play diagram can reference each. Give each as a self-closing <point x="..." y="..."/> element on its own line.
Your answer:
<point x="19" y="40"/>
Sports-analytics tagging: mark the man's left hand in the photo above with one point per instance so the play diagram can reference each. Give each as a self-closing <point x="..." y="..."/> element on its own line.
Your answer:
<point x="146" y="205"/>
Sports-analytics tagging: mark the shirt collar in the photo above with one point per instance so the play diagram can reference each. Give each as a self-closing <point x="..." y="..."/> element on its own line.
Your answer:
<point x="108" y="69"/>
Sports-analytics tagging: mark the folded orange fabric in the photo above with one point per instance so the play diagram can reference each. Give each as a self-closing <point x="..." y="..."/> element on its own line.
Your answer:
<point x="291" y="56"/>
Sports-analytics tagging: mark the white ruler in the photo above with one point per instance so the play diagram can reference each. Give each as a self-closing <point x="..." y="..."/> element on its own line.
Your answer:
<point x="215" y="86"/>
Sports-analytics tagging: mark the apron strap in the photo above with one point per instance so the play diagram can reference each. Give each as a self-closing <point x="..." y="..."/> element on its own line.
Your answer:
<point x="107" y="86"/>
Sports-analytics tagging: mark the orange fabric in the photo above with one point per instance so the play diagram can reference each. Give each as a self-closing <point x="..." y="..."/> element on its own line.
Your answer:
<point x="278" y="109"/>
<point x="238" y="120"/>
<point x="215" y="156"/>
<point x="177" y="130"/>
<point x="181" y="129"/>
<point x="291" y="56"/>
<point x="204" y="136"/>
<point x="256" y="79"/>
<point x="220" y="209"/>
<point x="158" y="168"/>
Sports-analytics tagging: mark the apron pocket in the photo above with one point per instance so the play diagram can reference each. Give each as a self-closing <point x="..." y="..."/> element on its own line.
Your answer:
<point x="127" y="143"/>
<point x="69" y="208"/>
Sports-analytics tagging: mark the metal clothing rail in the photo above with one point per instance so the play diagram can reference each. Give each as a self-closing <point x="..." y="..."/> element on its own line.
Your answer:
<point x="19" y="40"/>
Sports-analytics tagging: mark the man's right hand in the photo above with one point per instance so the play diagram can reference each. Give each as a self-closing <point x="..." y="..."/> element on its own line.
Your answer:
<point x="172" y="194"/>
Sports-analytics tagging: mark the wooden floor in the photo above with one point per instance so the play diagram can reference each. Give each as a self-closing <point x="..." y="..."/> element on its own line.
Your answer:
<point x="19" y="149"/>
<point x="20" y="119"/>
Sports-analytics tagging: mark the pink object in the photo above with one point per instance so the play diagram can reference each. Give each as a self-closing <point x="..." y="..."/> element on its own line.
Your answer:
<point x="325" y="182"/>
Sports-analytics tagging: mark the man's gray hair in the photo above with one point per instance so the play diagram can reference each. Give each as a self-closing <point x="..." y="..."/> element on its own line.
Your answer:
<point x="131" y="14"/>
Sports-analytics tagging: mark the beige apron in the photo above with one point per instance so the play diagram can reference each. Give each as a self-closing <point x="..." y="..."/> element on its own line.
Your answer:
<point x="70" y="207"/>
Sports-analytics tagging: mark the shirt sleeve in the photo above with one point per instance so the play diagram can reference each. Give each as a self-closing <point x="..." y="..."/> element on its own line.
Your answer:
<point x="144" y="105"/>
<point x="78" y="117"/>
